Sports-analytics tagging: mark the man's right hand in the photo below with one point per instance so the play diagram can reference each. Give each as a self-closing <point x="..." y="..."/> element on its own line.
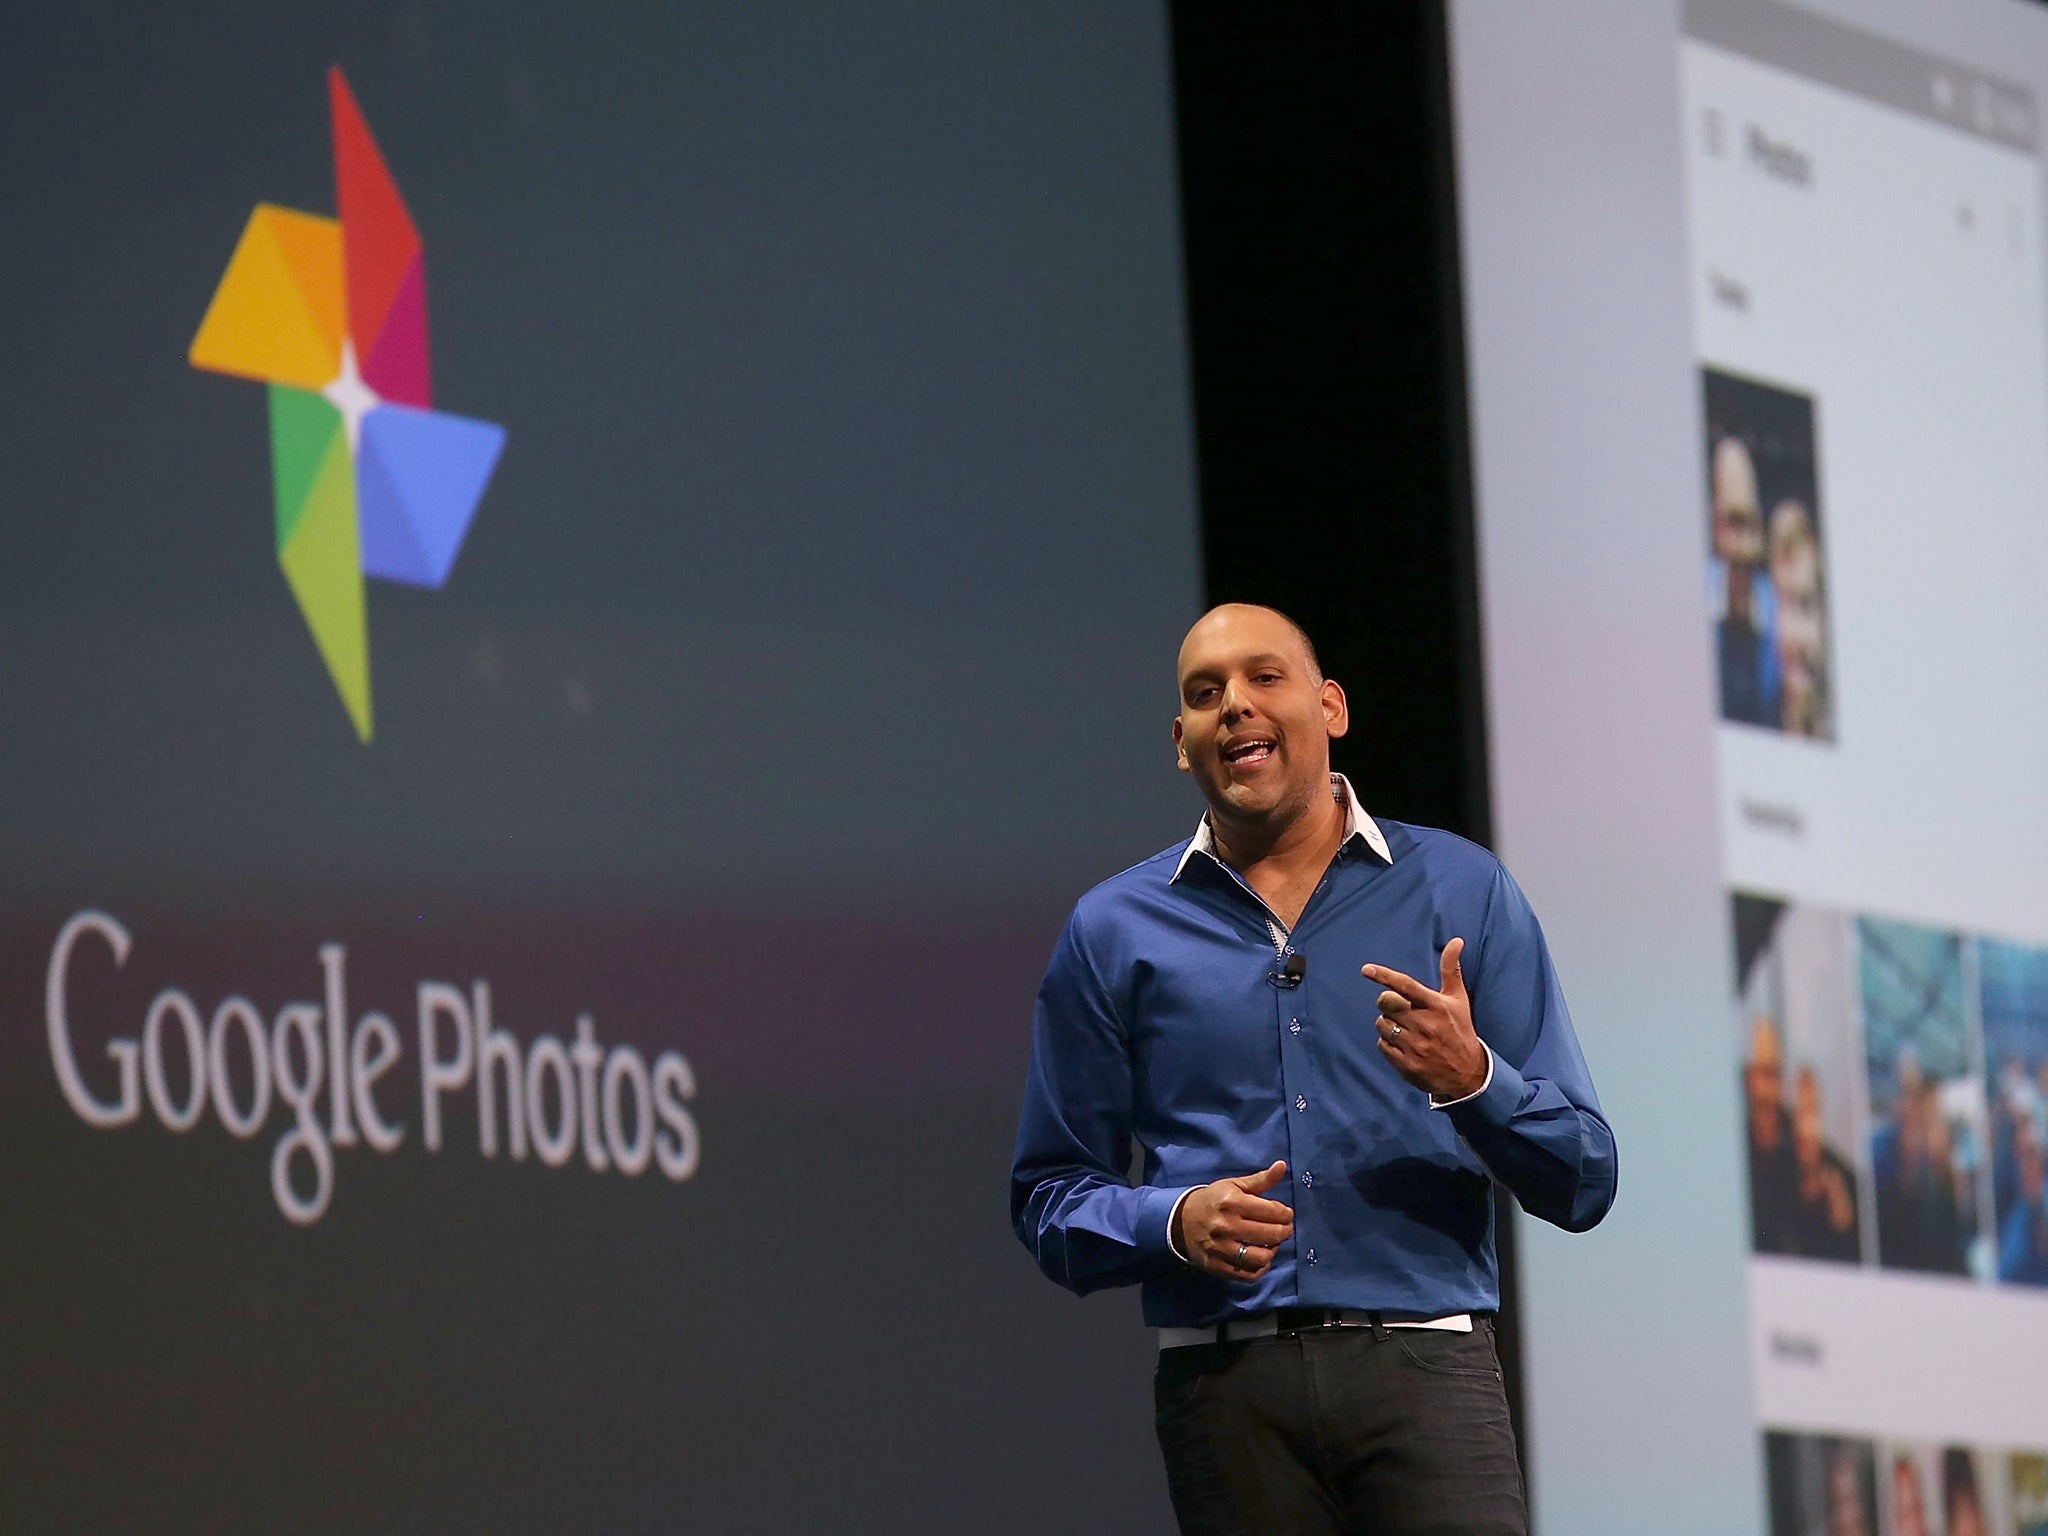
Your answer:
<point x="1229" y="1230"/>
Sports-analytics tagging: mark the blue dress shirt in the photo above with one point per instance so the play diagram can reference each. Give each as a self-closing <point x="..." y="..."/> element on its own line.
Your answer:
<point x="1165" y="1018"/>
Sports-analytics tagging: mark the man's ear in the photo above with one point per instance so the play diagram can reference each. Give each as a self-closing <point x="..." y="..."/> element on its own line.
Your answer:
<point x="1180" y="748"/>
<point x="1336" y="708"/>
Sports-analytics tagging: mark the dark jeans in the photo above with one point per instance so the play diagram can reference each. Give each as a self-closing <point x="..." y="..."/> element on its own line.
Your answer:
<point x="1340" y="1430"/>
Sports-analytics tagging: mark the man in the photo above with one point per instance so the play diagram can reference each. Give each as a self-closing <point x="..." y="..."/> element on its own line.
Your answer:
<point x="1850" y="1485"/>
<point x="1960" y="1500"/>
<point x="1803" y="704"/>
<point x="1921" y="1221"/>
<point x="1313" y="1223"/>
<point x="1773" y="1168"/>
<point x="1909" y="1500"/>
<point x="2023" y="1235"/>
<point x="1828" y="1227"/>
<point x="1739" y="592"/>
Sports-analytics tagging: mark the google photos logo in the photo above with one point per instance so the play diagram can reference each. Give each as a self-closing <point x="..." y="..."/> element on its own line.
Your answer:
<point x="368" y="479"/>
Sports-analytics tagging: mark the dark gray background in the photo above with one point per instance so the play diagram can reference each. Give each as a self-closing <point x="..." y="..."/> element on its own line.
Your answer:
<point x="810" y="652"/>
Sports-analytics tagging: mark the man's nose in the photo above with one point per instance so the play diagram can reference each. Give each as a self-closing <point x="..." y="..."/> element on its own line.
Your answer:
<point x="1236" y="703"/>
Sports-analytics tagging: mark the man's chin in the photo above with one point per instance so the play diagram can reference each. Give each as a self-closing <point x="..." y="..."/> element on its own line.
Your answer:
<point x="1253" y="803"/>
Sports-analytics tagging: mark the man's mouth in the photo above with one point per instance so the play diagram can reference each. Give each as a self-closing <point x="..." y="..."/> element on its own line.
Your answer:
<point x="1250" y="752"/>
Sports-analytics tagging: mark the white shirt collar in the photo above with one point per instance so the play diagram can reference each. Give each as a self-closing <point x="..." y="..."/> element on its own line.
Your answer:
<point x="1360" y="825"/>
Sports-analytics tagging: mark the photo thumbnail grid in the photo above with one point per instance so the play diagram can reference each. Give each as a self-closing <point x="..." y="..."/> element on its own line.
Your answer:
<point x="1895" y="1092"/>
<point x="1839" y="1485"/>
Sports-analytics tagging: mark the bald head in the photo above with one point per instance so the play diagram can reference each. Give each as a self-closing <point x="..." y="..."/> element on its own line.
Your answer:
<point x="1230" y="620"/>
<point x="1738" y="514"/>
<point x="1765" y="1048"/>
<point x="1763" y="1081"/>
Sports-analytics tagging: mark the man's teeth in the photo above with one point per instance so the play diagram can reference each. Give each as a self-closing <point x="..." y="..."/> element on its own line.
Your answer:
<point x="1239" y="754"/>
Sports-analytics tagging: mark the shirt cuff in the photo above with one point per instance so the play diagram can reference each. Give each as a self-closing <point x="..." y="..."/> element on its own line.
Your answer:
<point x="1437" y="1103"/>
<point x="1154" y="1227"/>
<point x="1493" y="1106"/>
<point x="1173" y="1225"/>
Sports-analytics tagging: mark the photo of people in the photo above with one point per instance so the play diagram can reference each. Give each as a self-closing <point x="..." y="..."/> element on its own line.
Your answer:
<point x="2013" y="987"/>
<point x="1926" y="1101"/>
<point x="1820" y="1486"/>
<point x="1796" y="1017"/>
<point x="2029" y="1493"/>
<point x="1912" y="1492"/>
<point x="1963" y="1494"/>
<point x="1766" y="587"/>
<point x="1949" y="1490"/>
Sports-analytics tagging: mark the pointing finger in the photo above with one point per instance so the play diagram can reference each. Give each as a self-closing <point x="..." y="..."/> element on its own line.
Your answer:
<point x="1400" y="981"/>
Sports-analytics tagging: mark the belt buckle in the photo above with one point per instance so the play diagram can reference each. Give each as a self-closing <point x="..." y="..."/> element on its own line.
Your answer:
<point x="1306" y="1319"/>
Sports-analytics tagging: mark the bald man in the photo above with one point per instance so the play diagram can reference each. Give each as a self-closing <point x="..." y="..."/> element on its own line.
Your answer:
<point x="1744" y="602"/>
<point x="1328" y="1036"/>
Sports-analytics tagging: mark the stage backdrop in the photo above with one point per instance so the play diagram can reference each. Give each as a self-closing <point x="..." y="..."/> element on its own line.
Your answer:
<point x="580" y="592"/>
<point x="1759" y="381"/>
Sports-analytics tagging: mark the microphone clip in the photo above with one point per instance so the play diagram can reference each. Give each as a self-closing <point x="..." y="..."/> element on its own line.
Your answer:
<point x="1290" y="974"/>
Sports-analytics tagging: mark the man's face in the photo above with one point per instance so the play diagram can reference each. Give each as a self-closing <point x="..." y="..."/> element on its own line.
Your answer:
<point x="1738" y="516"/>
<point x="2033" y="1165"/>
<point x="1763" y="1078"/>
<point x="1806" y="1120"/>
<point x="1909" y="1509"/>
<point x="1912" y="1108"/>
<point x="1846" y="1515"/>
<point x="1255" y="721"/>
<point x="1801" y="629"/>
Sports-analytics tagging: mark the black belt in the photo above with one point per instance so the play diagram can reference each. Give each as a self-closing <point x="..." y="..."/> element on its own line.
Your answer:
<point x="1303" y="1319"/>
<point x="1297" y="1320"/>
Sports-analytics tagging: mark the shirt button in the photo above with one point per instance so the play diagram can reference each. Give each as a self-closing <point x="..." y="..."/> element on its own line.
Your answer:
<point x="1294" y="1026"/>
<point x="1311" y="1255"/>
<point x="1300" y="1102"/>
<point x="1308" y="1180"/>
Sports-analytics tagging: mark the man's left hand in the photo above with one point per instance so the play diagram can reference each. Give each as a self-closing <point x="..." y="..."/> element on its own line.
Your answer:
<point x="1428" y="1035"/>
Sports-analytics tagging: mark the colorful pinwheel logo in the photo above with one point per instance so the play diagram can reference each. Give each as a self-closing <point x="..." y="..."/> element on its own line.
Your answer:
<point x="367" y="479"/>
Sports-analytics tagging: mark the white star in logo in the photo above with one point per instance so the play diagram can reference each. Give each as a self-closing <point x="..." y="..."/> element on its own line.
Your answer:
<point x="349" y="395"/>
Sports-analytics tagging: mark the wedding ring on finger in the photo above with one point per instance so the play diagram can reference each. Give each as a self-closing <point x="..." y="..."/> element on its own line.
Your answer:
<point x="1394" y="1033"/>
<point x="1242" y="1249"/>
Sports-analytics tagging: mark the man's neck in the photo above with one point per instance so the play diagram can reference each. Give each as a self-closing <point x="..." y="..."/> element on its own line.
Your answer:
<point x="1304" y="844"/>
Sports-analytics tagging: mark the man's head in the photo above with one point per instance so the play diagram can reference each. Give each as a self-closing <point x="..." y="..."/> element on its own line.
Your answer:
<point x="1807" y="1126"/>
<point x="1763" y="1078"/>
<point x="1959" y="1495"/>
<point x="1256" y="717"/>
<point x="2031" y="1159"/>
<point x="1795" y="574"/>
<point x="1738" y="512"/>
<point x="1909" y="1502"/>
<point x="1847" y="1511"/>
